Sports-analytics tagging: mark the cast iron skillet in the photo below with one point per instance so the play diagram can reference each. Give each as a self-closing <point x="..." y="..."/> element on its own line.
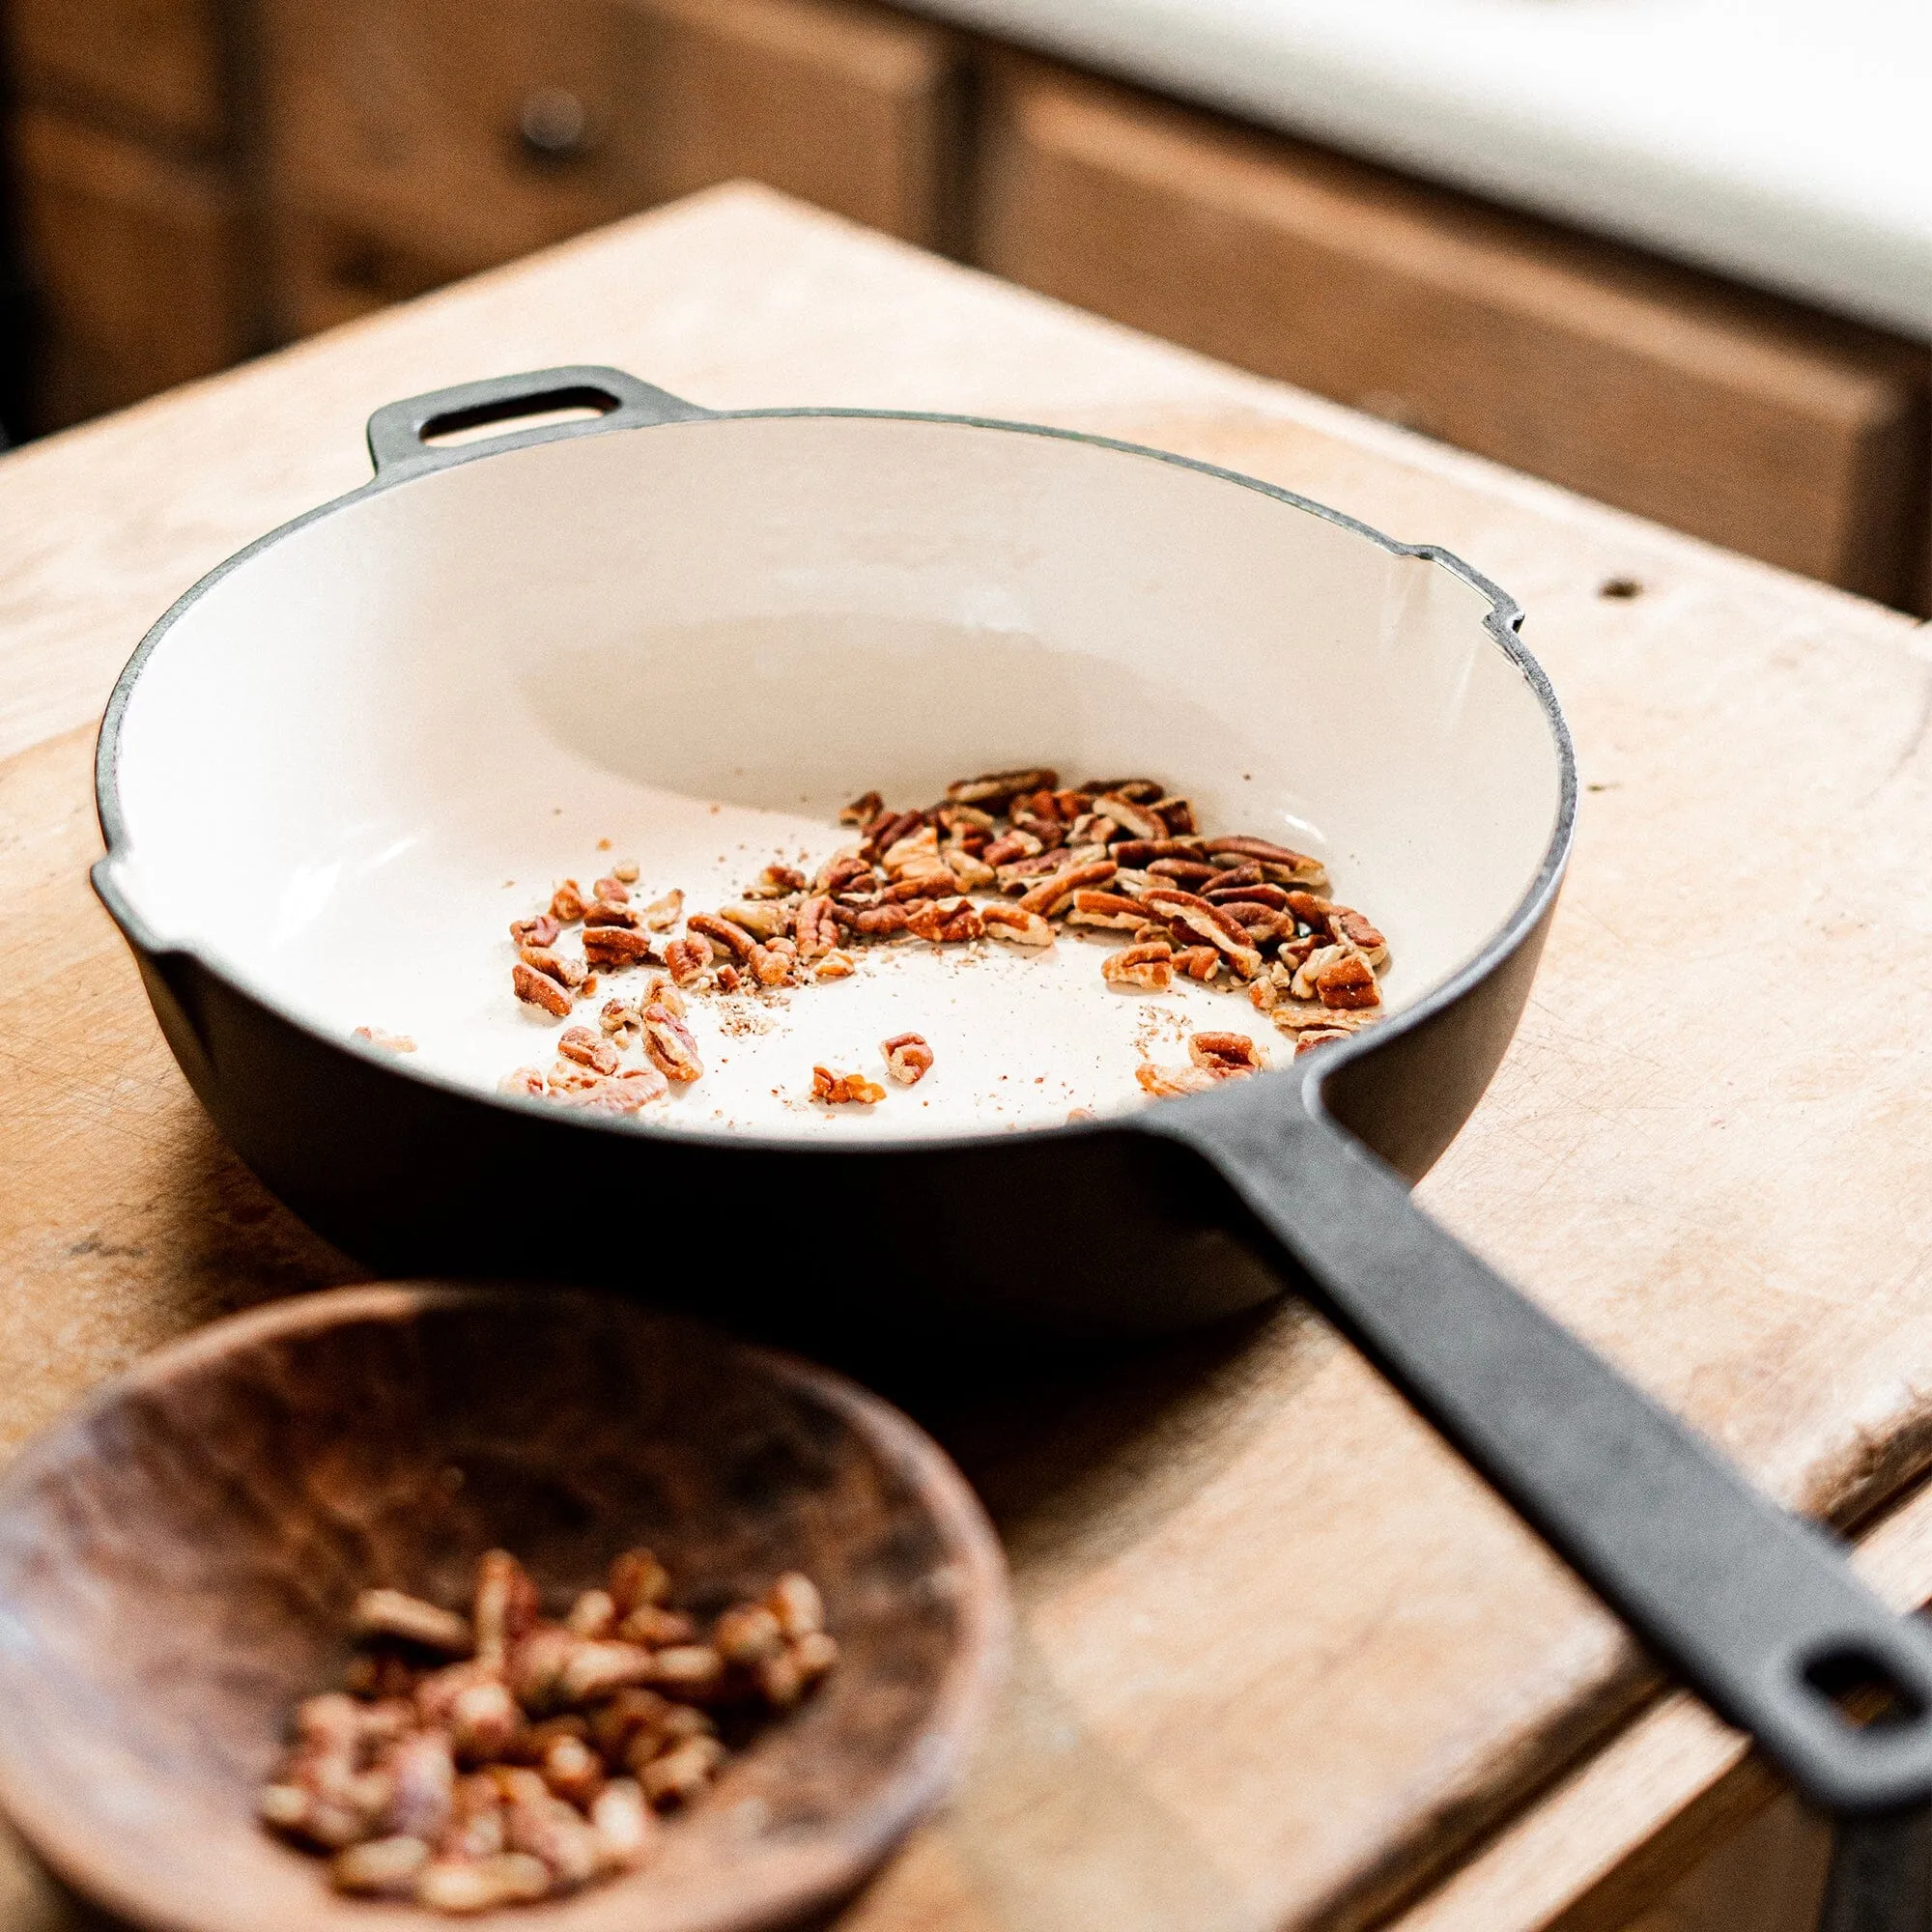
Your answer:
<point x="318" y="760"/>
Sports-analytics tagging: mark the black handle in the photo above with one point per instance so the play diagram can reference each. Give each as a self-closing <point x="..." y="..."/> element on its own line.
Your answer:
<point x="1755" y="1610"/>
<point x="399" y="432"/>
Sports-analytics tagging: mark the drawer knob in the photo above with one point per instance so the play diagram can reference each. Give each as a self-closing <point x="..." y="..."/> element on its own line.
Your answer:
<point x="553" y="124"/>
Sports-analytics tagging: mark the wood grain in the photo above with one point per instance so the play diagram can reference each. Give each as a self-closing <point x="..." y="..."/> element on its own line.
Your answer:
<point x="1282" y="1662"/>
<point x="153" y="67"/>
<point x="1728" y="415"/>
<point x="136" y="258"/>
<point x="398" y="163"/>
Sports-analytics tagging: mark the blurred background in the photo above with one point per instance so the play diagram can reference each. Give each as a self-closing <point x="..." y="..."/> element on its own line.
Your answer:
<point x="190" y="182"/>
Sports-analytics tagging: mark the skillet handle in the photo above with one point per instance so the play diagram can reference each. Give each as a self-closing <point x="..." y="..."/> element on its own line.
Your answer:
<point x="397" y="430"/>
<point x="1756" y="1611"/>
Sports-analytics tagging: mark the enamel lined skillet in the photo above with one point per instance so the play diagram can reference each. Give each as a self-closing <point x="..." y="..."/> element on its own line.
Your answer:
<point x="336" y="768"/>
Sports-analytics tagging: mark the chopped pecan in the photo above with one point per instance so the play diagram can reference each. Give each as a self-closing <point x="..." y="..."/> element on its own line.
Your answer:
<point x="1015" y="926"/>
<point x="1141" y="852"/>
<point x="1353" y="928"/>
<point x="1073" y="805"/>
<point x="1109" y="909"/>
<point x="937" y="883"/>
<point x="838" y="1089"/>
<point x="834" y="966"/>
<point x="528" y="1081"/>
<point x="553" y="966"/>
<point x="538" y="989"/>
<point x="567" y="905"/>
<point x="882" y="919"/>
<point x="1142" y="791"/>
<point x="687" y="960"/>
<point x="1177" y="814"/>
<point x="772" y="965"/>
<point x="881" y="838"/>
<point x="615" y="946"/>
<point x="1309" y="1037"/>
<point x="1279" y="863"/>
<point x="862" y="810"/>
<point x="997" y="788"/>
<point x="734" y="940"/>
<point x="1247" y="874"/>
<point x="963" y="821"/>
<point x="1036" y="805"/>
<point x="1050" y="833"/>
<point x="946" y="921"/>
<point x="581" y="1044"/>
<point x="1228" y="1056"/>
<point x="842" y="872"/>
<point x="543" y="931"/>
<point x="670" y="1044"/>
<point x="1045" y="896"/>
<point x="1259" y="920"/>
<point x="1165" y="1083"/>
<point x="1190" y="872"/>
<point x="620" y="1019"/>
<point x="1011" y="845"/>
<point x="1347" y="983"/>
<point x="908" y="1060"/>
<point x="973" y="873"/>
<point x="1255" y="891"/>
<point x="916" y="851"/>
<point x="815" y="928"/>
<point x="1150" y="966"/>
<point x="612" y="891"/>
<point x="775" y="882"/>
<point x="682" y="1773"/>
<point x="1137" y="820"/>
<point x="761" y="918"/>
<point x="1197" y="963"/>
<point x="660" y="915"/>
<point x="1209" y="922"/>
<point x="1092" y="827"/>
<point x="625" y="872"/>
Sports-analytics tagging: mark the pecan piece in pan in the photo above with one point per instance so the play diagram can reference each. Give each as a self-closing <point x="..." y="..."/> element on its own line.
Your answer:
<point x="839" y="1089"/>
<point x="908" y="1058"/>
<point x="1015" y="925"/>
<point x="581" y="1044"/>
<point x="946" y="921"/>
<point x="1150" y="966"/>
<point x="1228" y="1056"/>
<point x="539" y="989"/>
<point x="1047" y="896"/>
<point x="615" y="946"/>
<point x="670" y="1044"/>
<point x="660" y="915"/>
<point x="542" y="932"/>
<point x="993" y="789"/>
<point x="687" y="960"/>
<point x="1107" y="909"/>
<point x="1166" y="1083"/>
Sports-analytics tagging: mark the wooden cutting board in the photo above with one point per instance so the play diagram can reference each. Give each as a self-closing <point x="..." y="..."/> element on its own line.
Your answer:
<point x="1282" y="1662"/>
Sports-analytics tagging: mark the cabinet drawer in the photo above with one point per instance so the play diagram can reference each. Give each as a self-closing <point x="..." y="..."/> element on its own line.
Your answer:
<point x="135" y="259"/>
<point x="152" y="64"/>
<point x="453" y="134"/>
<point x="1739" y="418"/>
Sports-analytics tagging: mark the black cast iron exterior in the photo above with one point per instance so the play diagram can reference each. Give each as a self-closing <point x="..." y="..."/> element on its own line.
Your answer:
<point x="1178" y="1216"/>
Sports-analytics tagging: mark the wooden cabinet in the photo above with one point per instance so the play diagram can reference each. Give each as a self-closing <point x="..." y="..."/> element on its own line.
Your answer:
<point x="136" y="258"/>
<point x="1734" y="416"/>
<point x="150" y="67"/>
<point x="411" y="144"/>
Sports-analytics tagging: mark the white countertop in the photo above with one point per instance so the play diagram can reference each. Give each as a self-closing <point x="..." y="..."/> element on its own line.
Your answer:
<point x="1786" y="143"/>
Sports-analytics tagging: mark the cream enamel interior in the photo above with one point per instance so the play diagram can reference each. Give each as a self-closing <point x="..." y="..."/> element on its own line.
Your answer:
<point x="356" y="756"/>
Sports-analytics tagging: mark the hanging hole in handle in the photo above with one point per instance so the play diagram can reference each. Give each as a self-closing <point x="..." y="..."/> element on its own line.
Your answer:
<point x="554" y="406"/>
<point x="1863" y="1691"/>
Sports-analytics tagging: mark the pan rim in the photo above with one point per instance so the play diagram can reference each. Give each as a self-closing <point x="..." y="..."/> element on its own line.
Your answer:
<point x="1503" y="622"/>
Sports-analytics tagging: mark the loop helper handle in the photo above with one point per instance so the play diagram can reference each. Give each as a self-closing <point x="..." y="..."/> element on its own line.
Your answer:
<point x="400" y="433"/>
<point x="1755" y="1610"/>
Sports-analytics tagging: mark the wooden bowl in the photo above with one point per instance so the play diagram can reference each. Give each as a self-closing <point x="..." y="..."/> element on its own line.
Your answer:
<point x="178" y="1559"/>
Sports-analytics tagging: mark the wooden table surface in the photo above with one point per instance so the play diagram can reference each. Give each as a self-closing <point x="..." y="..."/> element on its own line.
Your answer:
<point x="1282" y="1662"/>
